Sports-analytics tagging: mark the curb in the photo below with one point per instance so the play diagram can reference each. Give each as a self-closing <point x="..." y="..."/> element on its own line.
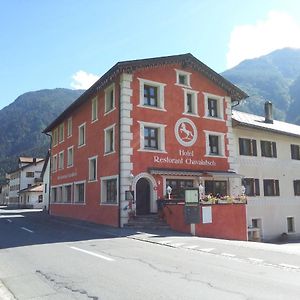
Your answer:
<point x="5" y="294"/>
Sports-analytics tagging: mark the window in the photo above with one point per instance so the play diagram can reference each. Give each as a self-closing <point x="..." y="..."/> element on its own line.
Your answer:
<point x="29" y="174"/>
<point x="216" y="188"/>
<point x="178" y="186"/>
<point x="214" y="148"/>
<point x="61" y="160"/>
<point x="61" y="133"/>
<point x="290" y="224"/>
<point x="93" y="168"/>
<point x="152" y="136"/>
<point x="54" y="195"/>
<point x="271" y="187"/>
<point x="109" y="139"/>
<point x="94" y="109"/>
<point x="190" y="102"/>
<point x="54" y="163"/>
<point x="67" y="193"/>
<point x="109" y="99"/>
<point x="252" y="186"/>
<point x="214" y="106"/>
<point x="183" y="78"/>
<point x="40" y="198"/>
<point x="81" y="135"/>
<point x="109" y="190"/>
<point x="151" y="94"/>
<point x="69" y="127"/>
<point x="79" y="192"/>
<point x="268" y="149"/>
<point x="55" y="137"/>
<point x="70" y="156"/>
<point x="29" y="185"/>
<point x="295" y="152"/>
<point x="297" y="187"/>
<point x="60" y="194"/>
<point x="247" y="147"/>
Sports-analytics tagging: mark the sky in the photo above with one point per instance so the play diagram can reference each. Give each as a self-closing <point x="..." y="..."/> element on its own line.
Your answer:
<point x="71" y="43"/>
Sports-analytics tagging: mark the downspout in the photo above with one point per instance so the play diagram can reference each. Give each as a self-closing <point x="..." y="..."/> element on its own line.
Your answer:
<point x="50" y="161"/>
<point x="119" y="181"/>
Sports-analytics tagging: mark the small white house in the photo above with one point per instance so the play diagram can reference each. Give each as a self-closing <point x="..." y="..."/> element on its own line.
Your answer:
<point x="45" y="175"/>
<point x="32" y="197"/>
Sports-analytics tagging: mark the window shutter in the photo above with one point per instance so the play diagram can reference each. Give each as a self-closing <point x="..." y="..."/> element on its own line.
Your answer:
<point x="274" y="150"/>
<point x="257" y="191"/>
<point x="241" y="146"/>
<point x="254" y="148"/>
<point x="277" y="188"/>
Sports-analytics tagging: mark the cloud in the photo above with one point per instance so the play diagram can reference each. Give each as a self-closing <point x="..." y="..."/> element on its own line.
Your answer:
<point x="83" y="80"/>
<point x="277" y="31"/>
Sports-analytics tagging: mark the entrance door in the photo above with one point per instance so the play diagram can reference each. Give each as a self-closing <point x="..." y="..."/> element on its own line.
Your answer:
<point x="142" y="197"/>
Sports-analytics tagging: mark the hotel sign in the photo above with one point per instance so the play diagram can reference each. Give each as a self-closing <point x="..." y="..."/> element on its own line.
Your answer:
<point x="185" y="158"/>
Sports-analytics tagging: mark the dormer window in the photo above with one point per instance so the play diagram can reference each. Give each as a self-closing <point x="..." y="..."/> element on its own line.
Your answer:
<point x="183" y="78"/>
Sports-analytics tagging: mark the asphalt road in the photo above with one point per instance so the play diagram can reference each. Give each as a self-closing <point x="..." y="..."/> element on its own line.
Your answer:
<point x="42" y="257"/>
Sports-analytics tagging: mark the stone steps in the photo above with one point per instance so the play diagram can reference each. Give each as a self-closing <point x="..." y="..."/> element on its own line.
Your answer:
<point x="150" y="221"/>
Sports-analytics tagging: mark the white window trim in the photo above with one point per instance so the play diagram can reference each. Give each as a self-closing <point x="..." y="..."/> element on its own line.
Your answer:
<point x="161" y="137"/>
<point x="188" y="76"/>
<point x="84" y="192"/>
<point x="69" y="127"/>
<point x="71" y="165"/>
<point x="220" y="100"/>
<point x="114" y="139"/>
<point x="63" y="132"/>
<point x="54" y="163"/>
<point x="103" y="190"/>
<point x="82" y="125"/>
<point x="55" y="131"/>
<point x="61" y="154"/>
<point x="106" y="95"/>
<point x="92" y="158"/>
<point x="221" y="143"/>
<point x="195" y="102"/>
<point x="94" y="103"/>
<point x="161" y="94"/>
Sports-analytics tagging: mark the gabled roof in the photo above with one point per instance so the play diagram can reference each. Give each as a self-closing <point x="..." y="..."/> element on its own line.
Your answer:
<point x="34" y="188"/>
<point x="186" y="60"/>
<point x="258" y="122"/>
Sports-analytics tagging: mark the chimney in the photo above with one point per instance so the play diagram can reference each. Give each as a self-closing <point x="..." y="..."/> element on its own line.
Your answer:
<point x="268" y="112"/>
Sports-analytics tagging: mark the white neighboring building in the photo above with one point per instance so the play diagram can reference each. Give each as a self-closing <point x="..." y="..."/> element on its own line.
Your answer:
<point x="268" y="155"/>
<point x="46" y="181"/>
<point x="28" y="174"/>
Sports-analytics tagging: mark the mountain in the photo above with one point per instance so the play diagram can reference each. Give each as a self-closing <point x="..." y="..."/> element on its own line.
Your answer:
<point x="274" y="77"/>
<point x="23" y="121"/>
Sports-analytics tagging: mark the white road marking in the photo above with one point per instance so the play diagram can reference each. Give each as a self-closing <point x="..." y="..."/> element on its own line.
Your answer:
<point x="177" y="244"/>
<point x="192" y="247"/>
<point x="11" y="216"/>
<point x="258" y="260"/>
<point x="206" y="249"/>
<point x="289" y="266"/>
<point x="228" y="254"/>
<point x="93" y="254"/>
<point x="166" y="242"/>
<point x="26" y="229"/>
<point x="9" y="220"/>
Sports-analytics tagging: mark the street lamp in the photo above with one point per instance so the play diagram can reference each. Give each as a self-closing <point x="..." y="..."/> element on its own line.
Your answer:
<point x="169" y="191"/>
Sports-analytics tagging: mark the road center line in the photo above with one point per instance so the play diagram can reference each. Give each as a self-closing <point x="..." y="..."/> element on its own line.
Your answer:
<point x="258" y="260"/>
<point x="9" y="220"/>
<point x="26" y="229"/>
<point x="93" y="254"/>
<point x="206" y="249"/>
<point x="228" y="254"/>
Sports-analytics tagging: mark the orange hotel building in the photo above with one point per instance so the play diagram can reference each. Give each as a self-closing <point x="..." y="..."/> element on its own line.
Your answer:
<point x="143" y="126"/>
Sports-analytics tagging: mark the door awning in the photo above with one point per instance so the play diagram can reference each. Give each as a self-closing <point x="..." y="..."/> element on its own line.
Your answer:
<point x="211" y="174"/>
